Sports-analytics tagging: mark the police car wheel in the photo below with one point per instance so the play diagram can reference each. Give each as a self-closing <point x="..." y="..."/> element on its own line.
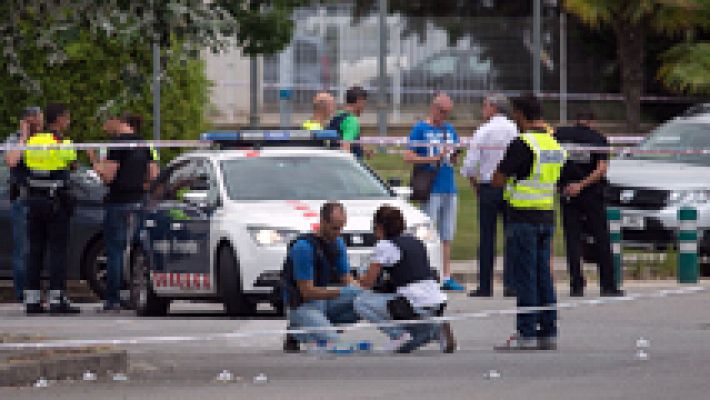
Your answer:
<point x="143" y="298"/>
<point x="230" y="285"/>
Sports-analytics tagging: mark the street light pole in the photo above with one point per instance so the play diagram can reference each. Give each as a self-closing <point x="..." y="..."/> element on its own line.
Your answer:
<point x="382" y="63"/>
<point x="537" y="46"/>
<point x="156" y="89"/>
<point x="563" y="67"/>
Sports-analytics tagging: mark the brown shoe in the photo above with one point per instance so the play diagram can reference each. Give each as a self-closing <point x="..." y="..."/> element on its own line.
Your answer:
<point x="447" y="341"/>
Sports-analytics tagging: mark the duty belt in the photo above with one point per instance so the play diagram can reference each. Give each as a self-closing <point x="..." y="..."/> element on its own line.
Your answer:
<point x="49" y="186"/>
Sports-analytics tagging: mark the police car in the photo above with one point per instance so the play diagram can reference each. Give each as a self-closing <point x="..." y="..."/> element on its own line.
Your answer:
<point x="217" y="222"/>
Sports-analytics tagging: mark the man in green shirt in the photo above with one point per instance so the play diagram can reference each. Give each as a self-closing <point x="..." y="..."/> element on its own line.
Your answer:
<point x="346" y="121"/>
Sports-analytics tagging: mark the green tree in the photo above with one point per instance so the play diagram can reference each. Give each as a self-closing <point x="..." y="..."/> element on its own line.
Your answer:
<point x="90" y="80"/>
<point x="685" y="68"/>
<point x="632" y="21"/>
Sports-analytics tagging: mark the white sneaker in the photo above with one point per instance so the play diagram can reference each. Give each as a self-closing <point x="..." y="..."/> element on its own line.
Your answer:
<point x="393" y="344"/>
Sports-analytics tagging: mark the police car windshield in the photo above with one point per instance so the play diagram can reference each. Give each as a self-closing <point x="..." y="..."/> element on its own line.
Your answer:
<point x="300" y="178"/>
<point x="678" y="135"/>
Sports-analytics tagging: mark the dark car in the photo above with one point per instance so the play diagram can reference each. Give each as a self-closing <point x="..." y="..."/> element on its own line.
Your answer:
<point x="86" y="248"/>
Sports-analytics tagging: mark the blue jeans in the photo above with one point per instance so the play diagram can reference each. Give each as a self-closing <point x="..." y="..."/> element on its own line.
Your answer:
<point x="490" y="206"/>
<point x="120" y="223"/>
<point x="373" y="307"/>
<point x="441" y="208"/>
<point x="323" y="314"/>
<point x="20" y="246"/>
<point x="529" y="246"/>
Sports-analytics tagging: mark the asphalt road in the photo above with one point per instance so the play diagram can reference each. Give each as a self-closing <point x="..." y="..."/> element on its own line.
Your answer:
<point x="596" y="359"/>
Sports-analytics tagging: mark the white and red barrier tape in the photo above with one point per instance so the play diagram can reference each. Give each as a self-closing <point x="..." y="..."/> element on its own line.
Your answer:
<point x="138" y="340"/>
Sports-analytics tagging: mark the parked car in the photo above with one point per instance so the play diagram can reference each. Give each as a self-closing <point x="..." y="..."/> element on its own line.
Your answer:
<point x="650" y="188"/>
<point x="86" y="255"/>
<point x="449" y="70"/>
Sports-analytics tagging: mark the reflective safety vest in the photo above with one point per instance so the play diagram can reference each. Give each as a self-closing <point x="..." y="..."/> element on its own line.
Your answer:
<point x="48" y="159"/>
<point x="537" y="192"/>
<point x="311" y="125"/>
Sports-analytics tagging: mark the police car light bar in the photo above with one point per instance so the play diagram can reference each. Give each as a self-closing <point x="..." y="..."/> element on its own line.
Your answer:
<point x="246" y="137"/>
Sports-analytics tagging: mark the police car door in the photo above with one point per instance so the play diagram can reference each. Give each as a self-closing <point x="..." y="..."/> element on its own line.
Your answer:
<point x="178" y="227"/>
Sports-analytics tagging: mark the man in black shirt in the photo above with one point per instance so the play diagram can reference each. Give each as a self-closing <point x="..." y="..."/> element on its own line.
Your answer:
<point x="582" y="199"/>
<point x="529" y="171"/>
<point x="126" y="172"/>
<point x="32" y="122"/>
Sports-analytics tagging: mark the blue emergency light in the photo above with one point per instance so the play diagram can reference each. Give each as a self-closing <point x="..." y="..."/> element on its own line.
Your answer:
<point x="245" y="137"/>
<point x="272" y="138"/>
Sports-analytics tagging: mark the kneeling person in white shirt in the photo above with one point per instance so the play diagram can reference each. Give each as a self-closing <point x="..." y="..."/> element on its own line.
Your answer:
<point x="401" y="275"/>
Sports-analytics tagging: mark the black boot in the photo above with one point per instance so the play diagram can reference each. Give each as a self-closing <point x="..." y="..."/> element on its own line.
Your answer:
<point x="59" y="304"/>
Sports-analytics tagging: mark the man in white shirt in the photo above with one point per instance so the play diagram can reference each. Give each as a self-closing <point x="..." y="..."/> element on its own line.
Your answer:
<point x="485" y="151"/>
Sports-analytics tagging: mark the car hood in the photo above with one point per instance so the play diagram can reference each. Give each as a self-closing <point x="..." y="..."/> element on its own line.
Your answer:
<point x="303" y="215"/>
<point x="657" y="174"/>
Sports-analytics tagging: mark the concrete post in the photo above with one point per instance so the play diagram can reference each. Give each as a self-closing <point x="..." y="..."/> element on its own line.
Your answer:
<point x="688" y="245"/>
<point x="613" y="216"/>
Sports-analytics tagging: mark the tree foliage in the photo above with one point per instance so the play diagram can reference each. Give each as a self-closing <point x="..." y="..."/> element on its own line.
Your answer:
<point x="96" y="55"/>
<point x="685" y="68"/>
<point x="632" y="22"/>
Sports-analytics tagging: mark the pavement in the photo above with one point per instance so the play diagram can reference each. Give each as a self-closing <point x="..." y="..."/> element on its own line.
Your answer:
<point x="597" y="356"/>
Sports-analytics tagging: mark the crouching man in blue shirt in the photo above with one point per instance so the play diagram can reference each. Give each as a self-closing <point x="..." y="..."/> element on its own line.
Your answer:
<point x="318" y="289"/>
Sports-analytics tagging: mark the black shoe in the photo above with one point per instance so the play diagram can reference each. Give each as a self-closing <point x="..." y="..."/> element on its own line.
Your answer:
<point x="63" y="307"/>
<point x="576" y="291"/>
<point x="479" y="293"/>
<point x="34" y="308"/>
<point x="508" y="292"/>
<point x="112" y="307"/>
<point x="612" y="293"/>
<point x="291" y="345"/>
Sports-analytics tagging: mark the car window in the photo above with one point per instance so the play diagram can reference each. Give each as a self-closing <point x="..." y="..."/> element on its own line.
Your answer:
<point x="477" y="66"/>
<point x="186" y="175"/>
<point x="300" y="178"/>
<point x="443" y="65"/>
<point x="678" y="135"/>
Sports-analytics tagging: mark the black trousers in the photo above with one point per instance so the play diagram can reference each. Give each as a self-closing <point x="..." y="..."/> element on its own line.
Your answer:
<point x="48" y="233"/>
<point x="587" y="210"/>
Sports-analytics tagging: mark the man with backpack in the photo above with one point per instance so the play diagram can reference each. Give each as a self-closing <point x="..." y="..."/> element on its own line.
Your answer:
<point x="318" y="289"/>
<point x="346" y="121"/>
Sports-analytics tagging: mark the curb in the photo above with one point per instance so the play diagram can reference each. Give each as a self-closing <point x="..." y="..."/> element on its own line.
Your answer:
<point x="22" y="368"/>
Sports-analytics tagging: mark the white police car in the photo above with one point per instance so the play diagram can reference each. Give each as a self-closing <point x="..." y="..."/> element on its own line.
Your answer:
<point x="218" y="222"/>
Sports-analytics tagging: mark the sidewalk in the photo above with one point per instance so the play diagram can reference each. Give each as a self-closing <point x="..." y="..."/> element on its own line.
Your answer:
<point x="466" y="271"/>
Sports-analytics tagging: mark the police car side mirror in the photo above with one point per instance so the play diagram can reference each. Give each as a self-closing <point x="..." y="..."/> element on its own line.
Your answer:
<point x="196" y="197"/>
<point x="403" y="192"/>
<point x="394" y="182"/>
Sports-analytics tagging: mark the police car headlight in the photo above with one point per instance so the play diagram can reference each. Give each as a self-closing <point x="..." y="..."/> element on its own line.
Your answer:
<point x="271" y="237"/>
<point x="423" y="232"/>
<point x="689" y="197"/>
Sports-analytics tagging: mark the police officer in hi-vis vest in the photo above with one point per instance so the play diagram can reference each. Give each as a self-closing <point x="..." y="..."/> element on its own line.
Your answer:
<point x="49" y="211"/>
<point x="529" y="172"/>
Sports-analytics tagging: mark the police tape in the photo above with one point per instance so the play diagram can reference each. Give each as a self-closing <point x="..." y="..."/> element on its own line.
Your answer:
<point x="390" y="142"/>
<point x="143" y="340"/>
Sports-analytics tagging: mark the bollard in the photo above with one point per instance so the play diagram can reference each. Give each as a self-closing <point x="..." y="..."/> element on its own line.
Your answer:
<point x="688" y="245"/>
<point x="613" y="216"/>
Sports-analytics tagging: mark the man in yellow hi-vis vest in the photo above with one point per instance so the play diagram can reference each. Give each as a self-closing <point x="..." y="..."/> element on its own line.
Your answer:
<point x="529" y="172"/>
<point x="49" y="211"/>
<point x="323" y="108"/>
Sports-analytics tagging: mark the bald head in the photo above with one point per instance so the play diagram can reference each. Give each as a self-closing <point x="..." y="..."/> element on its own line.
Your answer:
<point x="323" y="105"/>
<point x="441" y="106"/>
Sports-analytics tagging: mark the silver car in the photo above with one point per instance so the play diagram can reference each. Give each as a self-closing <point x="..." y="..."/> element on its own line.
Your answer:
<point x="650" y="187"/>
